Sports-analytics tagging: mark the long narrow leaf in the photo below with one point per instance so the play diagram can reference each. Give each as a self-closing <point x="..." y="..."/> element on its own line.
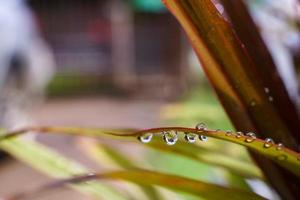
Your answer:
<point x="236" y="81"/>
<point x="247" y="31"/>
<point x="236" y="166"/>
<point x="145" y="177"/>
<point x="103" y="153"/>
<point x="53" y="164"/>
<point x="285" y="157"/>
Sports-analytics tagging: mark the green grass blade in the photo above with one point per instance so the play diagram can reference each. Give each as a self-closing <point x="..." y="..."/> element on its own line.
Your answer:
<point x="103" y="154"/>
<point x="53" y="164"/>
<point x="145" y="177"/>
<point x="240" y="167"/>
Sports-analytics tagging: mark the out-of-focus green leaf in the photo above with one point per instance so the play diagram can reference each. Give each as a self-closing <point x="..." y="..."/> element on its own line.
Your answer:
<point x="88" y="132"/>
<point x="103" y="154"/>
<point x="145" y="177"/>
<point x="166" y="163"/>
<point x="53" y="164"/>
<point x="242" y="168"/>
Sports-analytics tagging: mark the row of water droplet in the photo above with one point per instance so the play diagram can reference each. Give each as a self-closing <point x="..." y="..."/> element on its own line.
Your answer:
<point x="171" y="137"/>
<point x="268" y="142"/>
<point x="250" y="137"/>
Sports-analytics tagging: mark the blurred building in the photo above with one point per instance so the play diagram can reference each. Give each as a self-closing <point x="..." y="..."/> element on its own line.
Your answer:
<point x="129" y="44"/>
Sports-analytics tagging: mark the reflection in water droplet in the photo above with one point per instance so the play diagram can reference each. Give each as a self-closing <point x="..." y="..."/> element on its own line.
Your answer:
<point x="170" y="138"/>
<point x="228" y="133"/>
<point x="268" y="142"/>
<point x="279" y="146"/>
<point x="190" y="137"/>
<point x="250" y="137"/>
<point x="239" y="134"/>
<point x="201" y="126"/>
<point x="146" y="138"/>
<point x="203" y="138"/>
<point x="251" y="134"/>
<point x="281" y="157"/>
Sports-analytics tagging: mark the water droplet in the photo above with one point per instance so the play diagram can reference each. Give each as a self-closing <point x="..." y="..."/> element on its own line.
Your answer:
<point x="146" y="138"/>
<point x="267" y="90"/>
<point x="170" y="138"/>
<point x="279" y="146"/>
<point x="268" y="142"/>
<point x="190" y="137"/>
<point x="250" y="137"/>
<point x="228" y="133"/>
<point x="239" y="134"/>
<point x="203" y="138"/>
<point x="281" y="157"/>
<point x="253" y="103"/>
<point x="271" y="98"/>
<point x="201" y="126"/>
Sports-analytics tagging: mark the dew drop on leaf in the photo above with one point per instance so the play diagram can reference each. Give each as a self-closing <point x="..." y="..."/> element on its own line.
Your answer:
<point x="279" y="146"/>
<point x="190" y="137"/>
<point x="268" y="142"/>
<point x="170" y="138"/>
<point x="267" y="90"/>
<point x="146" y="138"/>
<point x="203" y="138"/>
<point x="253" y="103"/>
<point x="250" y="137"/>
<point x="239" y="134"/>
<point x="228" y="133"/>
<point x="201" y="126"/>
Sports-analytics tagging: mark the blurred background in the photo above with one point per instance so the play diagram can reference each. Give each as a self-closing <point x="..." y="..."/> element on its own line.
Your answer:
<point x="116" y="64"/>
